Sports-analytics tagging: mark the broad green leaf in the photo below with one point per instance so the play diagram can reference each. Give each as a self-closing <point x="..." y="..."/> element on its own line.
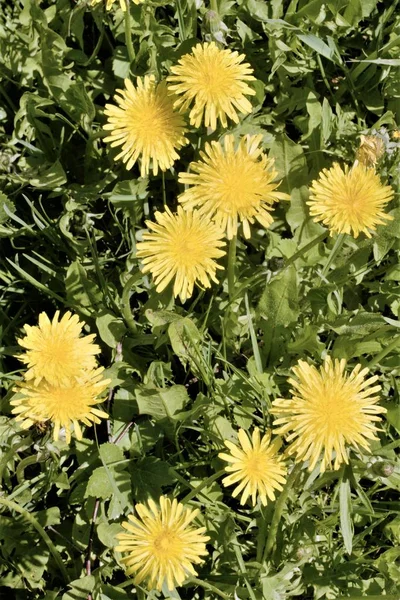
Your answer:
<point x="81" y="291"/>
<point x="162" y="403"/>
<point x="279" y="302"/>
<point x="107" y="533"/>
<point x="148" y="476"/>
<point x="80" y="588"/>
<point x="111" y="328"/>
<point x="290" y="162"/>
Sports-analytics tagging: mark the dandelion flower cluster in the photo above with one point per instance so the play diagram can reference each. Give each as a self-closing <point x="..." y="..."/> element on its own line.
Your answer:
<point x="63" y="383"/>
<point x="256" y="466"/>
<point x="329" y="411"/>
<point x="214" y="81"/>
<point x="233" y="184"/>
<point x="349" y="200"/>
<point x="145" y="124"/>
<point x="181" y="246"/>
<point x="162" y="544"/>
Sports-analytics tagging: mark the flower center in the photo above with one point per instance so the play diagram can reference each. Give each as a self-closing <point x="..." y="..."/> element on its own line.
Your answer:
<point x="150" y="122"/>
<point x="237" y="189"/>
<point x="64" y="403"/>
<point x="187" y="249"/>
<point x="214" y="81"/>
<point x="337" y="411"/>
<point x="255" y="466"/>
<point x="167" y="544"/>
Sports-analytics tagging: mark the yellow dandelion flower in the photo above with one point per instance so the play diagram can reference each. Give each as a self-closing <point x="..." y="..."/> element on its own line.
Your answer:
<point x="256" y="467"/>
<point x="329" y="410"/>
<point x="109" y="3"/>
<point x="232" y="185"/>
<point x="396" y="134"/>
<point x="349" y="200"/>
<point x="215" y="80"/>
<point x="161" y="543"/>
<point x="55" y="350"/>
<point x="371" y="150"/>
<point x="64" y="406"/>
<point x="145" y="124"/>
<point x="181" y="246"/>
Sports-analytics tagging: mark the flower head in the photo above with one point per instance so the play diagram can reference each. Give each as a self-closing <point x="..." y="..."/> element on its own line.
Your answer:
<point x="371" y="150"/>
<point x="56" y="351"/>
<point x="64" y="406"/>
<point x="256" y="467"/>
<point x="181" y="246"/>
<point x="145" y="124"/>
<point x="161" y="543"/>
<point x="215" y="80"/>
<point x="349" y="200"/>
<point x="329" y="410"/>
<point x="233" y="184"/>
<point x="111" y="2"/>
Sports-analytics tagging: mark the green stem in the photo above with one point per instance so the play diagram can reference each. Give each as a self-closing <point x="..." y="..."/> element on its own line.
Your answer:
<point x="125" y="304"/>
<point x="164" y="192"/>
<point x="181" y="21"/>
<point x="29" y="517"/>
<point x="231" y="266"/>
<point x="253" y="336"/>
<point x="334" y="252"/>
<point x="304" y="249"/>
<point x="202" y="485"/>
<point x="128" y="36"/>
<point x="214" y="5"/>
<point x="97" y="48"/>
<point x="209" y="587"/>
<point x="279" y="506"/>
<point x="384" y="352"/>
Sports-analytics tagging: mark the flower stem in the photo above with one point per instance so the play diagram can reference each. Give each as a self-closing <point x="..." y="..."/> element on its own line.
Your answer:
<point x="208" y="586"/>
<point x="29" y="517"/>
<point x="334" y="252"/>
<point x="304" y="249"/>
<point x="279" y="506"/>
<point x="202" y="485"/>
<point x="384" y="352"/>
<point x="231" y="266"/>
<point x="128" y="36"/>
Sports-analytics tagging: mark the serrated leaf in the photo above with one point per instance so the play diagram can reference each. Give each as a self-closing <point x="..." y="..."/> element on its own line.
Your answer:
<point x="5" y="202"/>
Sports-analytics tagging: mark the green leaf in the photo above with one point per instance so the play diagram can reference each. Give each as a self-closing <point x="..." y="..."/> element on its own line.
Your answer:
<point x="107" y="533"/>
<point x="291" y="164"/>
<point x="49" y="177"/>
<point x="149" y="475"/>
<point x="393" y="415"/>
<point x="318" y="45"/>
<point x="80" y="588"/>
<point x="81" y="291"/>
<point x="161" y="403"/>
<point x="111" y="328"/>
<point x="5" y="203"/>
<point x="99" y="485"/>
<point x="279" y="302"/>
